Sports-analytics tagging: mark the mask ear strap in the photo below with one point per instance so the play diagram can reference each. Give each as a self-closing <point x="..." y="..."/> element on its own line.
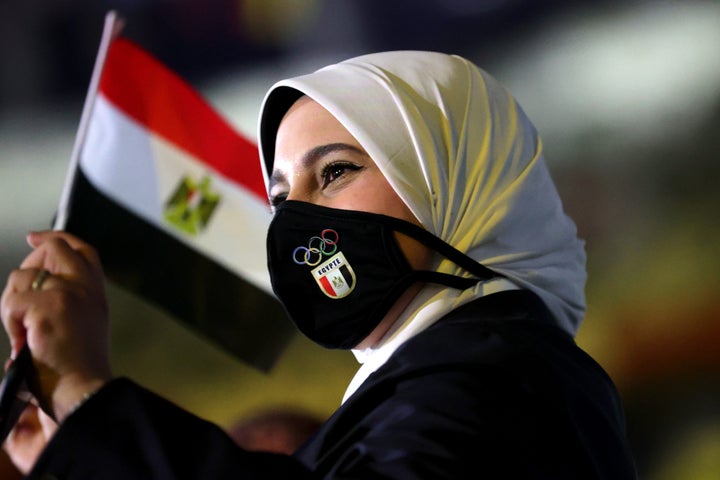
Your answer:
<point x="450" y="252"/>
<point x="480" y="271"/>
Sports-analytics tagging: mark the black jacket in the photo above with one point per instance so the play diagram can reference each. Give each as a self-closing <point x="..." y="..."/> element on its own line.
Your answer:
<point x="494" y="390"/>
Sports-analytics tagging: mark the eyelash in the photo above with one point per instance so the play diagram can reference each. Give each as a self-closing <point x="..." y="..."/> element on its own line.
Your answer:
<point x="332" y="167"/>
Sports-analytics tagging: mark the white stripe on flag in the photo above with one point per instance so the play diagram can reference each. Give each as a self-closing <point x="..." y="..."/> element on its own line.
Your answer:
<point x="140" y="171"/>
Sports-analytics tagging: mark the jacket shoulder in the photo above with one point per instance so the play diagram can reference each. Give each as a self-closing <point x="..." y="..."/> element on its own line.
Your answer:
<point x="493" y="382"/>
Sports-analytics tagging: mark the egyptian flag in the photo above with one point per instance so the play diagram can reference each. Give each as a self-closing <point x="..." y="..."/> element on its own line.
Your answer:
<point x="173" y="199"/>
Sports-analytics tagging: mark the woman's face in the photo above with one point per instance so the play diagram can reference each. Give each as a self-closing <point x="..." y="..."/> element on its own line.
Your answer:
<point x="318" y="161"/>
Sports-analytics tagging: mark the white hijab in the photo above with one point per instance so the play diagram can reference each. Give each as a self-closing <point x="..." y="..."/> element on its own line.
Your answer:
<point x="460" y="152"/>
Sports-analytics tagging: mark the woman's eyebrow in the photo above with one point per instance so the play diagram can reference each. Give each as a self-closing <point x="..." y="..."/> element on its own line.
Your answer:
<point x="312" y="156"/>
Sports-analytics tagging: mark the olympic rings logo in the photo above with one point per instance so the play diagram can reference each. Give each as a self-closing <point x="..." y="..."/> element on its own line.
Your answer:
<point x="318" y="247"/>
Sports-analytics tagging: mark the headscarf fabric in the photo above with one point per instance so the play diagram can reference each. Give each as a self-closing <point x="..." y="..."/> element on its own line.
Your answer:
<point x="463" y="156"/>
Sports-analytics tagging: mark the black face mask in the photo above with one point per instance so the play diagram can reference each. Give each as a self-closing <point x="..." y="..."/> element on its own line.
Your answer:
<point x="338" y="272"/>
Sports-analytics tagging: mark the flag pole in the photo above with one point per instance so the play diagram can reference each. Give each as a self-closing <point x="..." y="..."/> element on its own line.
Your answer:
<point x="111" y="29"/>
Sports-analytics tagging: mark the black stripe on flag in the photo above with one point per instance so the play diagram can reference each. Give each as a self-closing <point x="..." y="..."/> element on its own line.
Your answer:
<point x="345" y="271"/>
<point x="137" y="256"/>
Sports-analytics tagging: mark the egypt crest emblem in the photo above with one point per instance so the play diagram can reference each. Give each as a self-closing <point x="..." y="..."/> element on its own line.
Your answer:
<point x="191" y="205"/>
<point x="331" y="271"/>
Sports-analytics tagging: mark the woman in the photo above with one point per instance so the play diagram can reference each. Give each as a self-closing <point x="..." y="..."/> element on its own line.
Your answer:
<point x="416" y="223"/>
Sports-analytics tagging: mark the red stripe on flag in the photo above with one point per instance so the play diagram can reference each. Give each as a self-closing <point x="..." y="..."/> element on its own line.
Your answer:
<point x="156" y="97"/>
<point x="327" y="287"/>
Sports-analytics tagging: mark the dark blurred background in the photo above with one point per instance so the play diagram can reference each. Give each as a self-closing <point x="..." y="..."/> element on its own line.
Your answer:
<point x="626" y="95"/>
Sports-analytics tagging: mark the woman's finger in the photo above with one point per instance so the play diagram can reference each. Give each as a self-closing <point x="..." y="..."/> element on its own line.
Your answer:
<point x="13" y="307"/>
<point x="22" y="279"/>
<point x="56" y="254"/>
<point x="87" y="251"/>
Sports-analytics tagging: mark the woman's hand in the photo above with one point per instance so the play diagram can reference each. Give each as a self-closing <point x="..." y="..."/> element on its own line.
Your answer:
<point x="64" y="319"/>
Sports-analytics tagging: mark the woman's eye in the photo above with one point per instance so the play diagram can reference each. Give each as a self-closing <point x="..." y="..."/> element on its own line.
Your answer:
<point x="335" y="170"/>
